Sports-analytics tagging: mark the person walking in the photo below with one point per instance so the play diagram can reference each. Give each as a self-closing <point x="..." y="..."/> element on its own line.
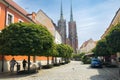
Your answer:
<point x="24" y="64"/>
<point x="12" y="64"/>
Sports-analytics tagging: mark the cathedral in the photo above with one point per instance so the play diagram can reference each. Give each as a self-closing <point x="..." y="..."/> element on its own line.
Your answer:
<point x="72" y="38"/>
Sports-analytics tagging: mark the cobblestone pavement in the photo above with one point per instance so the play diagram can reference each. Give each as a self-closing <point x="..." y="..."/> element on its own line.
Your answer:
<point x="72" y="71"/>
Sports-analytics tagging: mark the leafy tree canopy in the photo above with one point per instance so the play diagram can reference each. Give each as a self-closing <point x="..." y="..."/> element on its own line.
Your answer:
<point x="51" y="52"/>
<point x="101" y="48"/>
<point x="64" y="50"/>
<point x="24" y="39"/>
<point x="113" y="39"/>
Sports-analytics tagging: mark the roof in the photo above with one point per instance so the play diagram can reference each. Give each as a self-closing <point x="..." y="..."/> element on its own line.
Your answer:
<point x="86" y="43"/>
<point x="18" y="8"/>
<point x="12" y="3"/>
<point x="110" y="24"/>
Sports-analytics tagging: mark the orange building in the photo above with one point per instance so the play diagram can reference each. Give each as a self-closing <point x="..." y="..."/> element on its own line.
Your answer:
<point x="10" y="12"/>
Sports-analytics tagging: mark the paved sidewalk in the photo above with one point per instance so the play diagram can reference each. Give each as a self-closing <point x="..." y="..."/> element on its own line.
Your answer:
<point x="13" y="76"/>
<point x="72" y="71"/>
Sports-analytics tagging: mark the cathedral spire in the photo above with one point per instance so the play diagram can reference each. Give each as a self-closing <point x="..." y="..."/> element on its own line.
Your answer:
<point x="71" y="13"/>
<point x="61" y="12"/>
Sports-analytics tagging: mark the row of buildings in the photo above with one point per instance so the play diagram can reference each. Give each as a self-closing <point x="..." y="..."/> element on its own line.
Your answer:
<point x="10" y="12"/>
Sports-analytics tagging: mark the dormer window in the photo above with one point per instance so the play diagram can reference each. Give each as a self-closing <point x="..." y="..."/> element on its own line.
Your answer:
<point x="20" y="20"/>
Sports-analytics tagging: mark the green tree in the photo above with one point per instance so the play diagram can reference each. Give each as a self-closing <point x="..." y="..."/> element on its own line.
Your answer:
<point x="113" y="39"/>
<point x="69" y="51"/>
<point x="52" y="52"/>
<point x="55" y="54"/>
<point x="101" y="48"/>
<point x="78" y="56"/>
<point x="61" y="50"/>
<point x="25" y="39"/>
<point x="64" y="51"/>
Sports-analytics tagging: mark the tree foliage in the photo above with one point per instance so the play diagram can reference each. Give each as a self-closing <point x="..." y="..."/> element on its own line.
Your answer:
<point x="24" y="39"/>
<point x="101" y="48"/>
<point x="69" y="51"/>
<point x="113" y="39"/>
<point x="64" y="50"/>
<point x="78" y="56"/>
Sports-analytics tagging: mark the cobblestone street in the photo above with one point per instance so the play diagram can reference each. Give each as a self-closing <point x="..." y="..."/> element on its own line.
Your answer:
<point x="72" y="71"/>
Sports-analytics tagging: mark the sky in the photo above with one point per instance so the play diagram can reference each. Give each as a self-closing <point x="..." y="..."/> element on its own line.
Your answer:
<point x="92" y="17"/>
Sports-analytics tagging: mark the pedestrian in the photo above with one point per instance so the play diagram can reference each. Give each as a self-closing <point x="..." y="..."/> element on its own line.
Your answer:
<point x="12" y="64"/>
<point x="24" y="64"/>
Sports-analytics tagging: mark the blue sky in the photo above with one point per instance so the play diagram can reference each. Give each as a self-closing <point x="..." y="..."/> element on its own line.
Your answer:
<point x="92" y="16"/>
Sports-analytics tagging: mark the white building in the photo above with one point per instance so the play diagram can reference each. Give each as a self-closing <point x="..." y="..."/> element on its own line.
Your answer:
<point x="58" y="38"/>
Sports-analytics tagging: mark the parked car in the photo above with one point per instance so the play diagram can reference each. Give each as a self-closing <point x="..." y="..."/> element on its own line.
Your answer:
<point x="96" y="63"/>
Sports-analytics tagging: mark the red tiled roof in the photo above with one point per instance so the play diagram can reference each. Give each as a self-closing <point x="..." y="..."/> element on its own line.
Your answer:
<point x="12" y="3"/>
<point x="18" y="8"/>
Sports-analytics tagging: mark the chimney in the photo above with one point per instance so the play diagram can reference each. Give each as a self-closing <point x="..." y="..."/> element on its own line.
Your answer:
<point x="33" y="15"/>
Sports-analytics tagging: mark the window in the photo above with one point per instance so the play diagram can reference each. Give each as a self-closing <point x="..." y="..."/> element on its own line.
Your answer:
<point x="20" y="20"/>
<point x="10" y="18"/>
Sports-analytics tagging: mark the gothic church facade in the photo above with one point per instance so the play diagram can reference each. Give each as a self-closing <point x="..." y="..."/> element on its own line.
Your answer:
<point x="72" y="38"/>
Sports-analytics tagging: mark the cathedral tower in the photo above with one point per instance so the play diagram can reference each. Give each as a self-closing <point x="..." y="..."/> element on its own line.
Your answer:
<point x="62" y="26"/>
<point x="72" y="36"/>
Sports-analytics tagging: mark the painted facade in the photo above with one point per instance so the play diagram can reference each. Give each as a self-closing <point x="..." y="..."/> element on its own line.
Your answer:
<point x="46" y="21"/>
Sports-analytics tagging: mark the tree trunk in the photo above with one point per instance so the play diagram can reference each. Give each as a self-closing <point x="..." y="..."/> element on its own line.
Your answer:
<point x="29" y="63"/>
<point x="55" y="60"/>
<point x="62" y="59"/>
<point x="48" y="60"/>
<point x="52" y="60"/>
<point x="2" y="69"/>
